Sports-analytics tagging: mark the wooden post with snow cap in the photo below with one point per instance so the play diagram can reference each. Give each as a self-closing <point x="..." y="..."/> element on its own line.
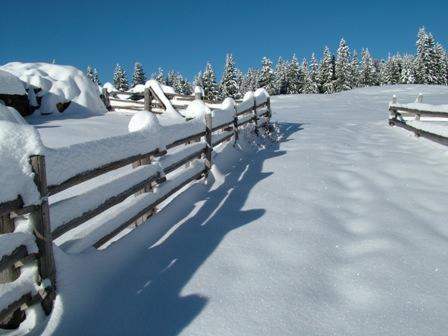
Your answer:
<point x="268" y="104"/>
<point x="198" y="93"/>
<point x="148" y="99"/>
<point x="208" y="140"/>
<point x="235" y="125"/>
<point x="42" y="232"/>
<point x="418" y="100"/>
<point x="392" y="111"/>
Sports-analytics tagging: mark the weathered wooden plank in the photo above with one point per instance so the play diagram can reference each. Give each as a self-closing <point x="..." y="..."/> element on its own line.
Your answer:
<point x="27" y="299"/>
<point x="222" y="139"/>
<point x="185" y="140"/>
<point x="208" y="140"/>
<point x="245" y="122"/>
<point x="216" y="128"/>
<point x="149" y="208"/>
<point x="84" y="176"/>
<point x="42" y="229"/>
<point x="186" y="159"/>
<point x="422" y="113"/>
<point x="8" y="261"/>
<point x="11" y="206"/>
<point x="126" y="101"/>
<point x="420" y="133"/>
<point x="107" y="204"/>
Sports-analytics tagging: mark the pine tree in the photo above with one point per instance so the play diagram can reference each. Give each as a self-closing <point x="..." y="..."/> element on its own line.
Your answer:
<point x="266" y="76"/>
<point x="185" y="87"/>
<point x="96" y="77"/>
<point x="281" y="77"/>
<point x="407" y="75"/>
<point x="367" y="70"/>
<point x="198" y="80"/>
<point x="250" y="81"/>
<point x="139" y="75"/>
<point x="210" y="85"/>
<point x="425" y="60"/>
<point x="159" y="76"/>
<point x="229" y="82"/>
<point x="354" y="70"/>
<point x="295" y="76"/>
<point x="327" y="72"/>
<point x="89" y="73"/>
<point x="441" y="67"/>
<point x="391" y="70"/>
<point x="343" y="68"/>
<point x="314" y="75"/>
<point x="119" y="79"/>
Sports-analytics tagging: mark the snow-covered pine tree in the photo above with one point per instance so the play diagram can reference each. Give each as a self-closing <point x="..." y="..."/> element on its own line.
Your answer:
<point x="250" y="81"/>
<point x="391" y="70"/>
<point x="185" y="87"/>
<point x="354" y="69"/>
<point x="138" y="76"/>
<point x="120" y="79"/>
<point x="314" y="74"/>
<point x="266" y="76"/>
<point x="343" y="68"/>
<point x="281" y="77"/>
<point x="159" y="76"/>
<point x="367" y="69"/>
<point x="441" y="66"/>
<point x="326" y="72"/>
<point x="89" y="73"/>
<point x="407" y="75"/>
<point x="198" y="80"/>
<point x="229" y="82"/>
<point x="425" y="60"/>
<point x="210" y="85"/>
<point x="96" y="77"/>
<point x="295" y="76"/>
<point x="308" y="85"/>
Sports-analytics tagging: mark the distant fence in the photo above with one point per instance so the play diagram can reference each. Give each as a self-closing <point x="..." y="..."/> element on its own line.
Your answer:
<point x="409" y="117"/>
<point x="185" y="156"/>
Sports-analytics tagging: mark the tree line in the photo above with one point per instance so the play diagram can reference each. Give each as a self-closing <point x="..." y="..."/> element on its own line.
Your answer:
<point x="342" y="71"/>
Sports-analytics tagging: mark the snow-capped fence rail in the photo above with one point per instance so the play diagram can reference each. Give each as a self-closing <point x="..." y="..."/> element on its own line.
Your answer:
<point x="154" y="164"/>
<point x="424" y="120"/>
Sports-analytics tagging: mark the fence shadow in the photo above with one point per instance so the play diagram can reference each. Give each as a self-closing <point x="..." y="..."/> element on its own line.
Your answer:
<point x="143" y="295"/>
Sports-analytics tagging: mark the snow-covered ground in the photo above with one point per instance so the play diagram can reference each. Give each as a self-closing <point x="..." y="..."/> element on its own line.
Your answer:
<point x="340" y="229"/>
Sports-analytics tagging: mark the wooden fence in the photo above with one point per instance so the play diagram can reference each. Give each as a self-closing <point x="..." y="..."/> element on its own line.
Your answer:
<point x="402" y="115"/>
<point x="190" y="156"/>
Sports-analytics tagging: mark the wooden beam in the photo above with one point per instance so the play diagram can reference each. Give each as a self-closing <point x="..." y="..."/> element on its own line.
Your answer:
<point x="7" y="262"/>
<point x="11" y="206"/>
<point x="149" y="208"/>
<point x="186" y="159"/>
<point x="87" y="175"/>
<point x="420" y="133"/>
<point x="185" y="140"/>
<point x="107" y="204"/>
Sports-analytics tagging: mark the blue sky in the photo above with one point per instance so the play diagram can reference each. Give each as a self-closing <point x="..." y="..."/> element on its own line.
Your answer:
<point x="184" y="35"/>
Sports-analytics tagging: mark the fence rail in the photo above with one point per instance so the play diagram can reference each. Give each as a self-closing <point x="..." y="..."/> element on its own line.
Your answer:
<point x="192" y="146"/>
<point x="401" y="115"/>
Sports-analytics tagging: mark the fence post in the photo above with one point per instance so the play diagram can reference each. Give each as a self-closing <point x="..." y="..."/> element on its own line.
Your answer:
<point x="235" y="126"/>
<point x="268" y="104"/>
<point x="9" y="275"/>
<point x="42" y="231"/>
<point x="208" y="140"/>
<point x="419" y="98"/>
<point x="255" y="116"/>
<point x="393" y="111"/>
<point x="148" y="99"/>
<point x="106" y="101"/>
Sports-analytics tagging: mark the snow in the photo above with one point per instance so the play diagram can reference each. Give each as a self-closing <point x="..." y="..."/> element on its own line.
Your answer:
<point x="261" y="96"/>
<point x="338" y="229"/>
<point x="247" y="103"/>
<point x="196" y="109"/>
<point x="109" y="87"/>
<point x="10" y="84"/>
<point x="144" y="120"/>
<point x="10" y="241"/>
<point x="440" y="128"/>
<point x="158" y="90"/>
<point x="59" y="84"/>
<point x="225" y="113"/>
<point x="18" y="142"/>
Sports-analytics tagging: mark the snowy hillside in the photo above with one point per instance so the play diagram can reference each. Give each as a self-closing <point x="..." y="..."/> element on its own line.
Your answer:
<point x="340" y="229"/>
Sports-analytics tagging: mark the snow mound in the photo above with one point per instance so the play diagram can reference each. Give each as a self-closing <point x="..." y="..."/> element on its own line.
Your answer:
<point x="261" y="95"/>
<point x="144" y="120"/>
<point x="109" y="87"/>
<point x="247" y="103"/>
<point x="60" y="85"/>
<point x="196" y="110"/>
<point x="18" y="141"/>
<point x="10" y="84"/>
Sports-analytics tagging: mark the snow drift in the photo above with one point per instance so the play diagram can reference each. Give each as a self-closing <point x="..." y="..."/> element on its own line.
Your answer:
<point x="58" y="88"/>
